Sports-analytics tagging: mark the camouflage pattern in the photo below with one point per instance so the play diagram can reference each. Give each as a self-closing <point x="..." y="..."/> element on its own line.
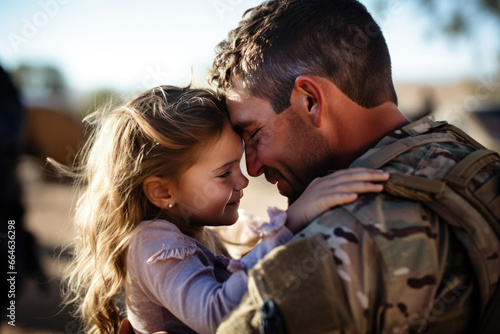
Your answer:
<point x="401" y="268"/>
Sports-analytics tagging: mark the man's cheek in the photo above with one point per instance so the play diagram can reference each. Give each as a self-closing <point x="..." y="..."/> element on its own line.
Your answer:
<point x="277" y="125"/>
<point x="268" y="149"/>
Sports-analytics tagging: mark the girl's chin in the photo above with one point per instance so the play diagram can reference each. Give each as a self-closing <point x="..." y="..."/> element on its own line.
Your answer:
<point x="229" y="218"/>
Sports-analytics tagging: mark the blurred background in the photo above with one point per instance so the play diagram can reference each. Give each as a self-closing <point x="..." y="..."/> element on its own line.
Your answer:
<point x="63" y="58"/>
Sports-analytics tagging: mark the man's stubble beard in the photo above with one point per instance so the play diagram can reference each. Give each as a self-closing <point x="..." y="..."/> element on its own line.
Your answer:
<point x="316" y="162"/>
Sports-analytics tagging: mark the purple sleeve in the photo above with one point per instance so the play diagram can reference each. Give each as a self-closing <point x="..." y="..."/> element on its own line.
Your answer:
<point x="273" y="234"/>
<point x="173" y="274"/>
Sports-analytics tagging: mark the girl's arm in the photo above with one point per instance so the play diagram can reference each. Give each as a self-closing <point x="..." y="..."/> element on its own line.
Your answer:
<point x="340" y="187"/>
<point x="174" y="273"/>
<point x="321" y="195"/>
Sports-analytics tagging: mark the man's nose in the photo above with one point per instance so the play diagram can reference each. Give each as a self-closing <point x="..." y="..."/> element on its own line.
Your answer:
<point x="254" y="165"/>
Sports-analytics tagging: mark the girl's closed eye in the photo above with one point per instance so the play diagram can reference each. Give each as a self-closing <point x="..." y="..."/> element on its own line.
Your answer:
<point x="225" y="175"/>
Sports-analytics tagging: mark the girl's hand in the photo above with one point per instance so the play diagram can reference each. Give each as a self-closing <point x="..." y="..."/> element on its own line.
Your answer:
<point x="323" y="193"/>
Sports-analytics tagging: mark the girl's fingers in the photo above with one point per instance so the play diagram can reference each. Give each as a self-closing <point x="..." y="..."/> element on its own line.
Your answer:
<point x="355" y="187"/>
<point x="349" y="194"/>
<point x="342" y="198"/>
<point x="331" y="201"/>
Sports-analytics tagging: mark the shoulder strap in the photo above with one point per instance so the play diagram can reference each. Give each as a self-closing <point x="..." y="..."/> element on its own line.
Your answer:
<point x="485" y="199"/>
<point x="379" y="156"/>
<point x="464" y="137"/>
<point x="462" y="173"/>
<point x="469" y="208"/>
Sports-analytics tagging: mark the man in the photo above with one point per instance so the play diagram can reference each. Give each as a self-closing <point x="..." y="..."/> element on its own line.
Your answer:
<point x="308" y="86"/>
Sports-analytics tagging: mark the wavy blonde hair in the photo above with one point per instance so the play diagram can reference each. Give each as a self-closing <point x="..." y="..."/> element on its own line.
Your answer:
<point x="160" y="132"/>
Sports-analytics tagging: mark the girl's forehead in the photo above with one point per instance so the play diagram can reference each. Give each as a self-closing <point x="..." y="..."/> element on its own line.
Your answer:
<point x="226" y="148"/>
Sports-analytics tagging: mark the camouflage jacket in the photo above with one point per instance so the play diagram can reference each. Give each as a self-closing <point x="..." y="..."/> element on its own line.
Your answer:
<point x="397" y="267"/>
<point x="402" y="268"/>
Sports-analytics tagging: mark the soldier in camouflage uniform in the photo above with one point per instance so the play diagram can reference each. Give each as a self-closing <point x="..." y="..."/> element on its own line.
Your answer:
<point x="401" y="266"/>
<point x="308" y="86"/>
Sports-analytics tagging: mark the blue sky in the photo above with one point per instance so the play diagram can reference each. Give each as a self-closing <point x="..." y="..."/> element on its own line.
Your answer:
<point x="137" y="44"/>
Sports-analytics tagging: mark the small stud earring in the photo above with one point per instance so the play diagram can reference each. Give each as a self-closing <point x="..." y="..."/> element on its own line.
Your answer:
<point x="170" y="206"/>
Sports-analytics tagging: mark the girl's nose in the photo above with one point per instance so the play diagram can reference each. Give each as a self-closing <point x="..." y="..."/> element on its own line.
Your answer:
<point x="242" y="182"/>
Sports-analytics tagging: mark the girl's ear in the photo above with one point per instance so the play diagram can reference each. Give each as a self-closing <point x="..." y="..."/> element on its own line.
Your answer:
<point x="307" y="96"/>
<point x="158" y="192"/>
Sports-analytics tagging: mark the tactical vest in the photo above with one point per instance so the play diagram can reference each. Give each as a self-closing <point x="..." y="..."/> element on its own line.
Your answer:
<point x="471" y="208"/>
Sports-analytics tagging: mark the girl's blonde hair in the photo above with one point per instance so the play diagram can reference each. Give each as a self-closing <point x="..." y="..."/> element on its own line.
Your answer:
<point x="160" y="132"/>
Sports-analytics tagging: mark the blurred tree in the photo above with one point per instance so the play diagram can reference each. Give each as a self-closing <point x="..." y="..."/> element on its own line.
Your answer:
<point x="469" y="20"/>
<point x="43" y="79"/>
<point x="456" y="17"/>
<point x="103" y="99"/>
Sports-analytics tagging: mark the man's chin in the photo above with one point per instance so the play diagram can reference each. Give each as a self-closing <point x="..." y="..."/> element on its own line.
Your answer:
<point x="294" y="192"/>
<point x="292" y="199"/>
<point x="284" y="187"/>
<point x="292" y="196"/>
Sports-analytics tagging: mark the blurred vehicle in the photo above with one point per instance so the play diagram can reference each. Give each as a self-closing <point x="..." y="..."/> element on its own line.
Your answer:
<point x="52" y="134"/>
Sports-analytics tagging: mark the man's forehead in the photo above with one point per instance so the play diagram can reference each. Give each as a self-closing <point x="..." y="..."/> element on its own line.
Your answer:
<point x="240" y="115"/>
<point x="244" y="108"/>
<point x="241" y="105"/>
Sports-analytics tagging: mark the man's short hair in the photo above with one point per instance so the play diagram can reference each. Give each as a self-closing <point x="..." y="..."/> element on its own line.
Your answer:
<point x="280" y="40"/>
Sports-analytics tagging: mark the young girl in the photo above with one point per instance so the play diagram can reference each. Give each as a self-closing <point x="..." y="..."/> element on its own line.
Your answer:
<point x="155" y="172"/>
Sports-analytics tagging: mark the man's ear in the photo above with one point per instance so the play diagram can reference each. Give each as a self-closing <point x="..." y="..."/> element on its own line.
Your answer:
<point x="158" y="191"/>
<point x="307" y="95"/>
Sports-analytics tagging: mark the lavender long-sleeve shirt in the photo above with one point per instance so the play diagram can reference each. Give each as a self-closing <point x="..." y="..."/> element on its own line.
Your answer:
<point x="175" y="283"/>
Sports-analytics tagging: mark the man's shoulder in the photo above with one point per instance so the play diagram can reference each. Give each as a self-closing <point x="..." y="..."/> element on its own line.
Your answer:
<point x="421" y="148"/>
<point x="382" y="217"/>
<point x="373" y="209"/>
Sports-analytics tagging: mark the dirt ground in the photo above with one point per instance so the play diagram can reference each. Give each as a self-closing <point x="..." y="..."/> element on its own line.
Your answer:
<point x="48" y="205"/>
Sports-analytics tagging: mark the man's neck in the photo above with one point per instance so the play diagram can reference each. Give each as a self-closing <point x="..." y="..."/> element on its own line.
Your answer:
<point x="366" y="127"/>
